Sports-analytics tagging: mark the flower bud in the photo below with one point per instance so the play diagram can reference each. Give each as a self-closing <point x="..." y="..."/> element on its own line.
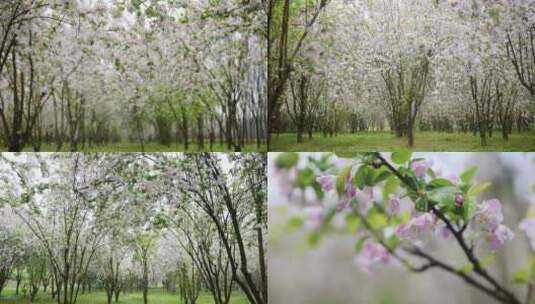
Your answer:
<point x="459" y="200"/>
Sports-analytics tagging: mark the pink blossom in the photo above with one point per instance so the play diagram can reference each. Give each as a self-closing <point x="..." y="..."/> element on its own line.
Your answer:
<point x="314" y="217"/>
<point x="350" y="192"/>
<point x="488" y="215"/>
<point x="488" y="220"/>
<point x="420" y="167"/>
<point x="364" y="199"/>
<point x="393" y="205"/>
<point x="499" y="236"/>
<point x="285" y="178"/>
<point x="350" y="189"/>
<point x="372" y="253"/>
<point x="343" y="162"/>
<point x="454" y="178"/>
<point x="528" y="226"/>
<point x="442" y="230"/>
<point x="327" y="182"/>
<point x="417" y="228"/>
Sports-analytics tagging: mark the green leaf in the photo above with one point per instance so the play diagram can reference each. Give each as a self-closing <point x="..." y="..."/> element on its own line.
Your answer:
<point x="287" y="160"/>
<point x="380" y="175"/>
<point x="421" y="205"/>
<point x="469" y="209"/>
<point x="318" y="190"/>
<point x="365" y="176"/>
<point x="488" y="260"/>
<point x="440" y="183"/>
<point x="341" y="179"/>
<point x="523" y="275"/>
<point x="314" y="238"/>
<point x="431" y="173"/>
<point x="352" y="223"/>
<point x="392" y="242"/>
<point x="478" y="188"/>
<point x="360" y="243"/>
<point x="295" y="223"/>
<point x="466" y="268"/>
<point x="392" y="183"/>
<point x="444" y="197"/>
<point x="400" y="157"/>
<point x="468" y="174"/>
<point x="405" y="217"/>
<point x="377" y="220"/>
<point x="305" y="178"/>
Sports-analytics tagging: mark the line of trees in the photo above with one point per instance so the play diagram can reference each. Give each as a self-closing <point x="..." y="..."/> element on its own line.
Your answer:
<point x="78" y="74"/>
<point x="466" y="66"/>
<point x="132" y="222"/>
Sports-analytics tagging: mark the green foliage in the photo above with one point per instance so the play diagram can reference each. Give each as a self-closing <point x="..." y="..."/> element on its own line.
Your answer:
<point x="341" y="179"/>
<point x="392" y="242"/>
<point x="392" y="183"/>
<point x="439" y="183"/>
<point x="444" y="196"/>
<point x="367" y="175"/>
<point x="295" y="222"/>
<point x="469" y="208"/>
<point x="359" y="244"/>
<point x="323" y="163"/>
<point x="305" y="178"/>
<point x="401" y="157"/>
<point x="377" y="219"/>
<point x="478" y="188"/>
<point x="525" y="274"/>
<point x="468" y="174"/>
<point x="287" y="160"/>
<point x="353" y="223"/>
<point x="466" y="268"/>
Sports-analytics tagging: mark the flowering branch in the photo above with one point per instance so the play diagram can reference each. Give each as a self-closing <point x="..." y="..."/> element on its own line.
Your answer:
<point x="416" y="204"/>
<point x="499" y="292"/>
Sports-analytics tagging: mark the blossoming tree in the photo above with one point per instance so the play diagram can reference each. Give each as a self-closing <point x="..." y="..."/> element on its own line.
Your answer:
<point x="75" y="74"/>
<point x="390" y="64"/>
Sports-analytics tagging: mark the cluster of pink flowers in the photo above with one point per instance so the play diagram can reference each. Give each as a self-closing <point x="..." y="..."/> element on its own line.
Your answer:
<point x="327" y="182"/>
<point x="488" y="221"/>
<point x="393" y="205"/>
<point x="417" y="229"/>
<point x="528" y="226"/>
<point x="362" y="197"/>
<point x="373" y="253"/>
<point x="314" y="217"/>
<point x="420" y="167"/>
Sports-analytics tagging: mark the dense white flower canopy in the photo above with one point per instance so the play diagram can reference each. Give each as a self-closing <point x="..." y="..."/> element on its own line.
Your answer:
<point x="116" y="62"/>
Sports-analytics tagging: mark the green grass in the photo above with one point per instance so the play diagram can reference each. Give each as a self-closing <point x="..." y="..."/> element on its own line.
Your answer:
<point x="156" y="296"/>
<point x="136" y="147"/>
<point x="346" y="144"/>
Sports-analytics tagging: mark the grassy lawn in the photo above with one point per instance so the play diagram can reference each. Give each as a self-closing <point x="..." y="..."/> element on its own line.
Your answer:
<point x="346" y="144"/>
<point x="156" y="296"/>
<point x="149" y="147"/>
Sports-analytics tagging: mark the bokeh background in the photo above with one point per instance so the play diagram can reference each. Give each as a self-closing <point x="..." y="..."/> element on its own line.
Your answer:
<point x="302" y="274"/>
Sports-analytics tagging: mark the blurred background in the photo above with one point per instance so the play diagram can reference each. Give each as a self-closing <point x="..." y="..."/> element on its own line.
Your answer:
<point x="326" y="273"/>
